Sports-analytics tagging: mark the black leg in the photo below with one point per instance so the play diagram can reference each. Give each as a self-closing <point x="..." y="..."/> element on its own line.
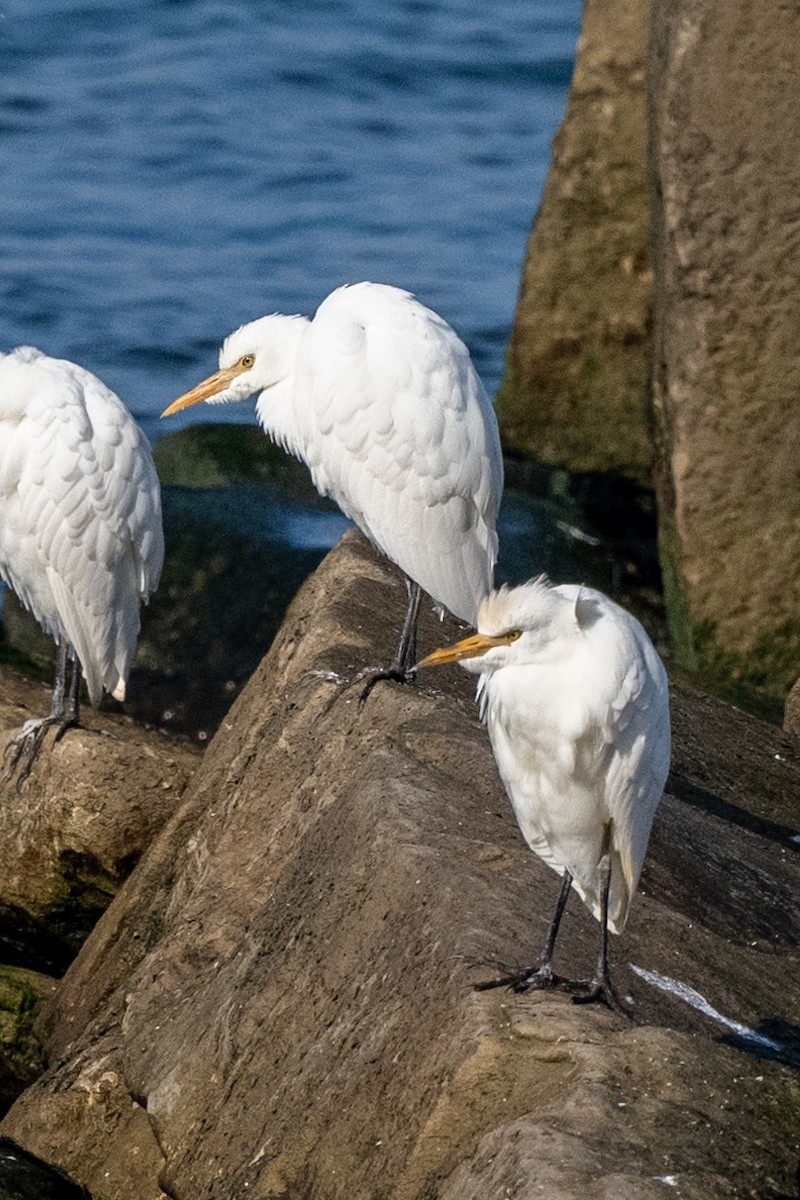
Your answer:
<point x="21" y="751"/>
<point x="60" y="686"/>
<point x="544" y="969"/>
<point x="541" y="976"/>
<point x="72" y="709"/>
<point x="406" y="654"/>
<point x="601" y="989"/>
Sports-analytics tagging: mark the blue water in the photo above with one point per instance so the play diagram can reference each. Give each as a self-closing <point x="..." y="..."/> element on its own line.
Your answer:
<point x="173" y="168"/>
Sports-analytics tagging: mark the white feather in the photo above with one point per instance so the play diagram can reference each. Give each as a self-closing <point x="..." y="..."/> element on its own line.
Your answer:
<point x="577" y="713"/>
<point x="380" y="398"/>
<point x="81" y="539"/>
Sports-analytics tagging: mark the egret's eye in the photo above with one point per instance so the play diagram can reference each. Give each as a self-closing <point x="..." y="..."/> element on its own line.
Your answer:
<point x="513" y="634"/>
<point x="247" y="361"/>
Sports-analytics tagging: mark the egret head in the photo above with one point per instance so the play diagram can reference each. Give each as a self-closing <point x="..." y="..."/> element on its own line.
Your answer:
<point x="516" y="625"/>
<point x="254" y="358"/>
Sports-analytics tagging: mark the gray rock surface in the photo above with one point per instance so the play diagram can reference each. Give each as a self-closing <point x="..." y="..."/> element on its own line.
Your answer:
<point x="725" y="92"/>
<point x="575" y="388"/>
<point x="278" y="1003"/>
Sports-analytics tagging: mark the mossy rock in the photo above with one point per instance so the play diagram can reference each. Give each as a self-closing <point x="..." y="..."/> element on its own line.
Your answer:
<point x="216" y="456"/>
<point x="21" y="1056"/>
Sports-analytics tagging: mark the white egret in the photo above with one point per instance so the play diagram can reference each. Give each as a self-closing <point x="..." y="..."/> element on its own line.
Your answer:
<point x="379" y="397"/>
<point x="575" y="699"/>
<point x="81" y="539"/>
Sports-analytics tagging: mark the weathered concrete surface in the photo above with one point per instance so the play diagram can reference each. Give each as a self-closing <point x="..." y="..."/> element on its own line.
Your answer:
<point x="725" y="93"/>
<point x="278" y="1003"/>
<point x="75" y="828"/>
<point x="575" y="389"/>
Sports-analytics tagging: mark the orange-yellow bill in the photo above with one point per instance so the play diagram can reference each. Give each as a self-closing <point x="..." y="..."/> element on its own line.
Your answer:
<point x="209" y="387"/>
<point x="470" y="647"/>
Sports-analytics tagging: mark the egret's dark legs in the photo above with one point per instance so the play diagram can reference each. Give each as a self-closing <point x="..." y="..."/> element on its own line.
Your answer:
<point x="72" y="709"/>
<point x="64" y="712"/>
<point x="60" y="686"/>
<point x="406" y="653"/>
<point x="601" y="988"/>
<point x="541" y="976"/>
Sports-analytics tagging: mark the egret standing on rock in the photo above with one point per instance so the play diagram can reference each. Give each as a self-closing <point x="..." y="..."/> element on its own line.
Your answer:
<point x="379" y="397"/>
<point x="81" y="539"/>
<point x="575" y="700"/>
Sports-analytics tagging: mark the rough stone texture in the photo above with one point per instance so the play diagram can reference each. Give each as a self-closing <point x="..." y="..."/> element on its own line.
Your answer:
<point x="575" y="384"/>
<point x="278" y="1002"/>
<point x="75" y="828"/>
<point x="725" y="93"/>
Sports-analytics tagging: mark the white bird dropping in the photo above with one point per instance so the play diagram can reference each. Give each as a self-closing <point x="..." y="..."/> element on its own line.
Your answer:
<point x="81" y="540"/>
<point x="379" y="397"/>
<point x="575" y="700"/>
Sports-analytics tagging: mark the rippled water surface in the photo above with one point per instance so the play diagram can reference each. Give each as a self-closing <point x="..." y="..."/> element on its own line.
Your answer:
<point x="172" y="168"/>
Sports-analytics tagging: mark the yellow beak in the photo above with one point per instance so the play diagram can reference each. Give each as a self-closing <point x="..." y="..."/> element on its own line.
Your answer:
<point x="209" y="387"/>
<point x="470" y="647"/>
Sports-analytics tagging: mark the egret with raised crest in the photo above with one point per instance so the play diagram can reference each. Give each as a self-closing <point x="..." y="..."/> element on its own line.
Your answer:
<point x="575" y="700"/>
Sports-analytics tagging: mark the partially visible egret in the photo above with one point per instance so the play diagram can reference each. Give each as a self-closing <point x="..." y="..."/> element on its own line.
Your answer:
<point x="81" y="539"/>
<point x="575" y="700"/>
<point x="379" y="397"/>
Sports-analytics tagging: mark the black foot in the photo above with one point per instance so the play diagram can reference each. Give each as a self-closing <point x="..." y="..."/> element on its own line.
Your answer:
<point x="21" y="751"/>
<point x="395" y="674"/>
<point x="530" y="979"/>
<point x="599" y="991"/>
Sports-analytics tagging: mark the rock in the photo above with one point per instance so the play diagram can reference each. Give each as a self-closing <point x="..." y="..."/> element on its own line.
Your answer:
<point x="725" y="90"/>
<point x="278" y="1003"/>
<point x="23" y="1176"/>
<point x="791" y="719"/>
<point x="244" y="527"/>
<point x="575" y="388"/>
<point x="21" y="1058"/>
<point x="75" y="828"/>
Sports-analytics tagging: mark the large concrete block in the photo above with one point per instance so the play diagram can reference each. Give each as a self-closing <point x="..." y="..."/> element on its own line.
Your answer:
<point x="725" y="97"/>
<point x="575" y="385"/>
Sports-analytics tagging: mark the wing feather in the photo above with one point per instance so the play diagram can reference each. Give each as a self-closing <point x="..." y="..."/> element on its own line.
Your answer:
<point x="632" y="741"/>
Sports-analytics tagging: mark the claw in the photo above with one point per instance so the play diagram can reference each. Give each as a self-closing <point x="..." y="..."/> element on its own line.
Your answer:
<point x="601" y="991"/>
<point x="392" y="673"/>
<point x="20" y="753"/>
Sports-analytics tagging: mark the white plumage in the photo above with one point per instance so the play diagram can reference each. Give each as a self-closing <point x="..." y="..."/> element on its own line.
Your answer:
<point x="379" y="397"/>
<point x="81" y="539"/>
<point x="575" y="700"/>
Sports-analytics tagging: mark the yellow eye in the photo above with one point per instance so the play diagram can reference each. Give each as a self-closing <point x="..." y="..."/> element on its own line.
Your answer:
<point x="247" y="361"/>
<point x="513" y="634"/>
